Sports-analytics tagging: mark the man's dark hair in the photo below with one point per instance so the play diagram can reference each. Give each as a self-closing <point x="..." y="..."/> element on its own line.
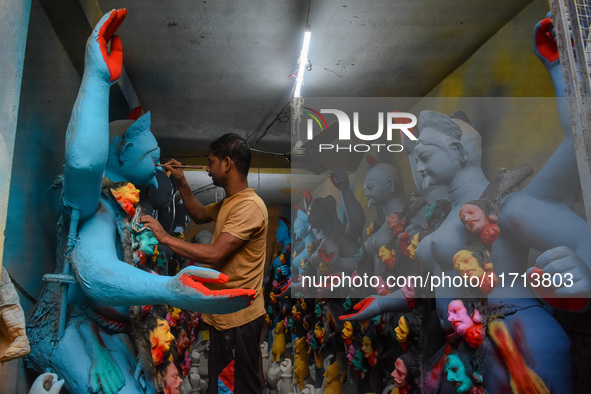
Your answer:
<point x="236" y="148"/>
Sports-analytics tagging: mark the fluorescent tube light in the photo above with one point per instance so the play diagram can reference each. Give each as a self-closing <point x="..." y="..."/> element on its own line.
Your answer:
<point x="303" y="62"/>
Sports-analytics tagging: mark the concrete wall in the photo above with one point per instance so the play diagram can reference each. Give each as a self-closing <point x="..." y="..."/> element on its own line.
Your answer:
<point x="505" y="65"/>
<point x="48" y="91"/>
<point x="14" y="30"/>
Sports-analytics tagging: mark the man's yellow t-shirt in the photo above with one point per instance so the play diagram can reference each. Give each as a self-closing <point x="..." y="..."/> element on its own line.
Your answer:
<point x="244" y="216"/>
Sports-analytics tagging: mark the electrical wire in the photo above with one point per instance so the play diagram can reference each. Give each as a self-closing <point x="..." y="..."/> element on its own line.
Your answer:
<point x="277" y="117"/>
<point x="268" y="153"/>
<point x="205" y="188"/>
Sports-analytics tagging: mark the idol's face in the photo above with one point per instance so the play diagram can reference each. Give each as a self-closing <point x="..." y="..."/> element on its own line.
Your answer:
<point x="129" y="192"/>
<point x="366" y="348"/>
<point x="456" y="374"/>
<point x="399" y="374"/>
<point x="347" y="332"/>
<point x="317" y="216"/>
<point x="435" y="158"/>
<point x="402" y="330"/>
<point x="172" y="380"/>
<point x="387" y="257"/>
<point x="377" y="191"/>
<point x="473" y="217"/>
<point x="358" y="359"/>
<point x="139" y="160"/>
<point x="147" y="242"/>
<point x="466" y="264"/>
<point x="457" y="314"/>
<point x="300" y="226"/>
<point x="318" y="331"/>
<point x="183" y="340"/>
<point x="395" y="224"/>
<point x="282" y="232"/>
<point x="412" y="248"/>
<point x="161" y="337"/>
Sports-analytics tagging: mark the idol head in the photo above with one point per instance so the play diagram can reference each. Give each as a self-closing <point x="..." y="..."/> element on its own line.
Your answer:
<point x="127" y="195"/>
<point x="396" y="224"/>
<point x="445" y="148"/>
<point x="160" y="337"/>
<point x="170" y="378"/>
<point x="382" y="183"/>
<point x="412" y="247"/>
<point x="399" y="374"/>
<point x="402" y="330"/>
<point x="182" y="339"/>
<point x="322" y="213"/>
<point x="387" y="256"/>
<point x="466" y="263"/>
<point x="300" y="224"/>
<point x="439" y="152"/>
<point x="347" y="332"/>
<point x="477" y="214"/>
<point x="133" y="152"/>
<point x="406" y="371"/>
<point x="461" y="371"/>
<point x="457" y="314"/>
<point x="282" y="233"/>
<point x="145" y="242"/>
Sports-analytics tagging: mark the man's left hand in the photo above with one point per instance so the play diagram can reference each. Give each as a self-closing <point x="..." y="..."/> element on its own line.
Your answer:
<point x="155" y="226"/>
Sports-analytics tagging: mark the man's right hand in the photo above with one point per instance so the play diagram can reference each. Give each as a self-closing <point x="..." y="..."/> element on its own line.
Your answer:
<point x="173" y="166"/>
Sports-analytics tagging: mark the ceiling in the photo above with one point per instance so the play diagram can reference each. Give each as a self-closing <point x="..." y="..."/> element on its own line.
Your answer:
<point x="205" y="67"/>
